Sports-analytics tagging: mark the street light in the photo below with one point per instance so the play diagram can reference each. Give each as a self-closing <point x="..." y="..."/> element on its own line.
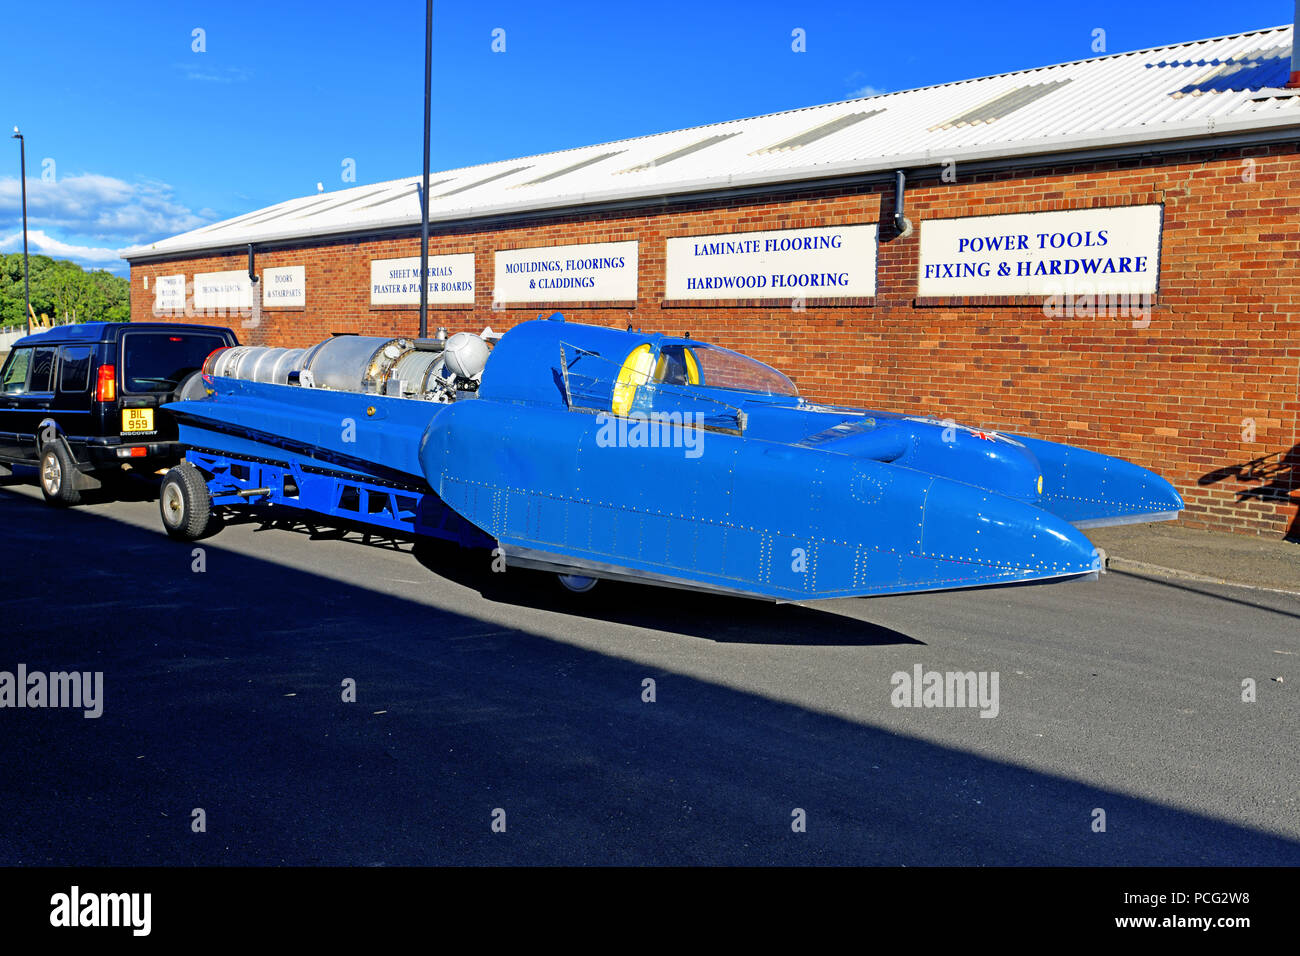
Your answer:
<point x="424" y="193"/>
<point x="27" y="292"/>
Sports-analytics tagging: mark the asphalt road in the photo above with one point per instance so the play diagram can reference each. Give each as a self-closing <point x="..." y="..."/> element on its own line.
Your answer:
<point x="479" y="691"/>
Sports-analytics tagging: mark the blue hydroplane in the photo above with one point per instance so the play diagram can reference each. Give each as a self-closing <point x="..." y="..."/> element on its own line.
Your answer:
<point x="602" y="453"/>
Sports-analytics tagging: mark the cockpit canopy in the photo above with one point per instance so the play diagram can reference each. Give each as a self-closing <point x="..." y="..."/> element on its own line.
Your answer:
<point x="695" y="363"/>
<point x="593" y="369"/>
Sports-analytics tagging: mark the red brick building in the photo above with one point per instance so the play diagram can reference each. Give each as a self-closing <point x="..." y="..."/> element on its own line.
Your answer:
<point x="1140" y="295"/>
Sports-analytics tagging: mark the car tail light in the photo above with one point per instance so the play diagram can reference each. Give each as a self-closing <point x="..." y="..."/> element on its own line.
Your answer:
<point x="106" y="384"/>
<point x="208" y="362"/>
<point x="134" y="451"/>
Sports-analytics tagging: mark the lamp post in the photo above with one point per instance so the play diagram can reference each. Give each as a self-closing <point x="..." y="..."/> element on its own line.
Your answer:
<point x="27" y="292"/>
<point x="424" y="193"/>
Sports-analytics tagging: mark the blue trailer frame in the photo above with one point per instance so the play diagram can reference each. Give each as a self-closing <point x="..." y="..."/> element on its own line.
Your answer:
<point x="257" y="483"/>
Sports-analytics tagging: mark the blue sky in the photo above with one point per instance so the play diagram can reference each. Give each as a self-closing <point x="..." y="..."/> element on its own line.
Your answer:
<point x="139" y="136"/>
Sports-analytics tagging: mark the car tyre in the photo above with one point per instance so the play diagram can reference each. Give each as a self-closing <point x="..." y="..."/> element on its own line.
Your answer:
<point x="577" y="583"/>
<point x="58" y="476"/>
<point x="185" y="503"/>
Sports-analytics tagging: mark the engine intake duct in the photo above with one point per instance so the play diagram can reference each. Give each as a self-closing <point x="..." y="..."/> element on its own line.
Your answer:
<point x="255" y="363"/>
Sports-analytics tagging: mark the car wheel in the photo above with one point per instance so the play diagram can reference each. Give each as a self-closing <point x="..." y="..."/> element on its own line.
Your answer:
<point x="577" y="583"/>
<point x="58" y="476"/>
<point x="185" y="504"/>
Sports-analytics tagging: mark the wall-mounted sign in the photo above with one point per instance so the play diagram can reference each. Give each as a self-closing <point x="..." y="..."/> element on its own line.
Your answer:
<point x="1115" y="250"/>
<point x="594" y="272"/>
<point x="169" y="294"/>
<point x="226" y="291"/>
<point x="825" y="262"/>
<point x="284" y="287"/>
<point x="397" y="281"/>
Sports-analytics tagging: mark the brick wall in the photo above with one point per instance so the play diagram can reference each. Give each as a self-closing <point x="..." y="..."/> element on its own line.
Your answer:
<point x="1205" y="393"/>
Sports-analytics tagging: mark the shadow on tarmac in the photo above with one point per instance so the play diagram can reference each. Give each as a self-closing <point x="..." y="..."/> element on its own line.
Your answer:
<point x="222" y="691"/>
<point x="694" y="614"/>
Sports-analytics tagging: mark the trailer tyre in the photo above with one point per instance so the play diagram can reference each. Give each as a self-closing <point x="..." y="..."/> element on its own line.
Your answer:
<point x="59" y="475"/>
<point x="185" y="503"/>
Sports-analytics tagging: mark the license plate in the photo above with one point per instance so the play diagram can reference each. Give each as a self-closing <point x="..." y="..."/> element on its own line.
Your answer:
<point x="137" y="420"/>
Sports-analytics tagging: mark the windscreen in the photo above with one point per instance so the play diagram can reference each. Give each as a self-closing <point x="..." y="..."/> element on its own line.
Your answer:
<point x="721" y="368"/>
<point x="159" y="361"/>
<point x="15" y="374"/>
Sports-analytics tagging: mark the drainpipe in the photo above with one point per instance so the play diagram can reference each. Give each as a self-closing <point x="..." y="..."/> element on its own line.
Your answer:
<point x="902" y="225"/>
<point x="256" y="319"/>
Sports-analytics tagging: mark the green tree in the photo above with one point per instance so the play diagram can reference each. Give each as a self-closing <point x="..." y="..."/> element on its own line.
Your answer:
<point x="62" y="290"/>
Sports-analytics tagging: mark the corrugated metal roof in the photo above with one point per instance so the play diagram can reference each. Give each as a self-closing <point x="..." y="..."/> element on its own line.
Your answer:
<point x="1216" y="86"/>
<point x="680" y="152"/>
<point x="1003" y="104"/>
<point x="580" y="164"/>
<point x="820" y="131"/>
<point x="1252" y="70"/>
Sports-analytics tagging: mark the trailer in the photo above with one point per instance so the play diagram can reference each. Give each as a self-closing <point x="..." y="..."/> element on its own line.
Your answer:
<point x="207" y="481"/>
<point x="231" y="463"/>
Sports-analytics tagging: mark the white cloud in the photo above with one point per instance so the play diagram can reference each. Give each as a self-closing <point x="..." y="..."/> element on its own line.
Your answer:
<point x="215" y="74"/>
<point x="858" y="87"/>
<point x="38" y="241"/>
<point x="101" y="207"/>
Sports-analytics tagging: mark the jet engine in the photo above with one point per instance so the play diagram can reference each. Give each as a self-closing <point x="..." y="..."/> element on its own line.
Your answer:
<point x="434" y="369"/>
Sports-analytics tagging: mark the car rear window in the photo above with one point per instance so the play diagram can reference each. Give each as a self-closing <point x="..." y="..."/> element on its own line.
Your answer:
<point x="159" y="361"/>
<point x="74" y="370"/>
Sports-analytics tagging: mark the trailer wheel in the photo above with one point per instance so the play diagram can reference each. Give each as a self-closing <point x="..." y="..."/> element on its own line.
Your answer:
<point x="577" y="583"/>
<point x="185" y="504"/>
<point x="59" y="475"/>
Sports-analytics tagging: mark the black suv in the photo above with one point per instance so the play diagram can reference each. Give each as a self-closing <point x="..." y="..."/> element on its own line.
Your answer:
<point x="81" y="402"/>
